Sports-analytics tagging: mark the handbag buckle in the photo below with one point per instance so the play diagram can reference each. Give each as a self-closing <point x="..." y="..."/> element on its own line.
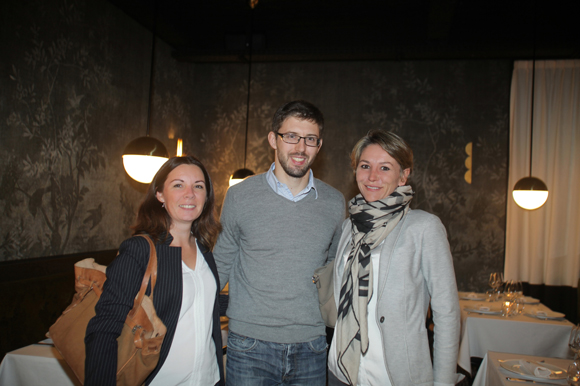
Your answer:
<point x="135" y="328"/>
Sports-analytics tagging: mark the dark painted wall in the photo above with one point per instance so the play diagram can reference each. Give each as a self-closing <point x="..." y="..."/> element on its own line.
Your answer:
<point x="74" y="82"/>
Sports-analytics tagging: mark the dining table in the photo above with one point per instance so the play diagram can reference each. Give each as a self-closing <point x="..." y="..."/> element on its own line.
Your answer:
<point x="38" y="364"/>
<point x="497" y="367"/>
<point x="537" y="330"/>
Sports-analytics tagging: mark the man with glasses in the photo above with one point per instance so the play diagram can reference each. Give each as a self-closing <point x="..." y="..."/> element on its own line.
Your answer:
<point x="278" y="227"/>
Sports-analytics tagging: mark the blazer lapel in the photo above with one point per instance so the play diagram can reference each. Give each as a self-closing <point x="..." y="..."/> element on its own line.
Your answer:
<point x="207" y="255"/>
<point x="386" y="256"/>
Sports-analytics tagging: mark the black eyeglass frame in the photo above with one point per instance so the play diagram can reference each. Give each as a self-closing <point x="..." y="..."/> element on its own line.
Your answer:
<point x="299" y="138"/>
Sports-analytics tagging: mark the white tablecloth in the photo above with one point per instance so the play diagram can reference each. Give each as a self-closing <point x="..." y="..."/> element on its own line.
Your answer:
<point x="491" y="374"/>
<point x="36" y="365"/>
<point x="41" y="364"/>
<point x="517" y="334"/>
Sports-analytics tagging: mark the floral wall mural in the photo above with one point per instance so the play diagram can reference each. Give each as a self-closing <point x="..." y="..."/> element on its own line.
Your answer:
<point x="74" y="90"/>
<point x="50" y="179"/>
<point x="61" y="98"/>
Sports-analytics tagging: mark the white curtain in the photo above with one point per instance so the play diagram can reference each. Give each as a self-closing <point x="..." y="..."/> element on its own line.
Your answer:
<point x="543" y="245"/>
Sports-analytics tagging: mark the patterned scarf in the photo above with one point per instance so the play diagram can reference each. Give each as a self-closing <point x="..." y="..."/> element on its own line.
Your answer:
<point x="371" y="224"/>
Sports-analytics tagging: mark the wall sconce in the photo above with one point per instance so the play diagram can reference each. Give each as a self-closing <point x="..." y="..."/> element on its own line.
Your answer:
<point x="143" y="156"/>
<point x="241" y="174"/>
<point x="530" y="192"/>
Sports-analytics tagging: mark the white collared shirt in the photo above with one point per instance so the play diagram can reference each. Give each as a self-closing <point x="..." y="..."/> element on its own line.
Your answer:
<point x="283" y="189"/>
<point x="191" y="360"/>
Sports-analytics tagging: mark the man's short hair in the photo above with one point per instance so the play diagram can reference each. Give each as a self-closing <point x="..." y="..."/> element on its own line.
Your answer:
<point x="301" y="110"/>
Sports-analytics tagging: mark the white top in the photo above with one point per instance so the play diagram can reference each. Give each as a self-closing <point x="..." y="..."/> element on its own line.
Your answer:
<point x="372" y="369"/>
<point x="191" y="360"/>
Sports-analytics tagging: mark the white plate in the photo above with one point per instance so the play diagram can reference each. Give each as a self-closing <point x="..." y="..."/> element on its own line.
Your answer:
<point x="486" y="309"/>
<point x="471" y="296"/>
<point x="530" y="300"/>
<point x="545" y="314"/>
<point x="514" y="366"/>
<point x="484" y="312"/>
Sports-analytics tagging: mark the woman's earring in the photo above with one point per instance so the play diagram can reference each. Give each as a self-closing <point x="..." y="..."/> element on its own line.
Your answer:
<point x="163" y="205"/>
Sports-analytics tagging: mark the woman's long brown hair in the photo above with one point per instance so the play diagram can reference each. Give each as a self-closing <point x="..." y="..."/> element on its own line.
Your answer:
<point x="154" y="220"/>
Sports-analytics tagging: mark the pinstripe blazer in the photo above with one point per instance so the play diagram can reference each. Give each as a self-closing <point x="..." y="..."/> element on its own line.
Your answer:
<point x="124" y="278"/>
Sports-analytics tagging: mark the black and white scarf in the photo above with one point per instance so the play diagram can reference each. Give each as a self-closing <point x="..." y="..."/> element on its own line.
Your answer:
<point x="371" y="224"/>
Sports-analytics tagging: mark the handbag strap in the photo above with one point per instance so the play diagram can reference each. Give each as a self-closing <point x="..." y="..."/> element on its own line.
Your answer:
<point x="150" y="273"/>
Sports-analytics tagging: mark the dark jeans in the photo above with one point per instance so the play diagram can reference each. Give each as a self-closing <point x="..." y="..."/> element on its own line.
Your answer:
<point x="254" y="362"/>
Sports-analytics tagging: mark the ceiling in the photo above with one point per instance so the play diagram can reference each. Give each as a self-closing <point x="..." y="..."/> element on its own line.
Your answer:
<point x="292" y="30"/>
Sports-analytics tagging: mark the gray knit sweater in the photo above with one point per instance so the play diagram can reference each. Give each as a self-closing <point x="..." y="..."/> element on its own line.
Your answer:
<point x="268" y="249"/>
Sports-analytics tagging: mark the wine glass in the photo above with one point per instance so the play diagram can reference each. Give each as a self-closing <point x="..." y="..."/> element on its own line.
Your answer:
<point x="491" y="294"/>
<point x="501" y="286"/>
<point x="512" y="289"/>
<point x="495" y="281"/>
<point x="519" y="288"/>
<point x="573" y="377"/>
<point x="507" y="307"/>
<point x="520" y="304"/>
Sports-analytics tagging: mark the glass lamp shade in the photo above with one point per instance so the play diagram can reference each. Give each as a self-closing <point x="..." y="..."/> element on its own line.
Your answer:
<point x="143" y="157"/>
<point x="240" y="175"/>
<point x="530" y="193"/>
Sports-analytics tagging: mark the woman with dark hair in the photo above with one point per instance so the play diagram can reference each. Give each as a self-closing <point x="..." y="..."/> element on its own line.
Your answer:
<point x="178" y="214"/>
<point x="390" y="264"/>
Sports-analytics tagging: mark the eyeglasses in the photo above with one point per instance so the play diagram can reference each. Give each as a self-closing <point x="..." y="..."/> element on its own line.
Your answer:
<point x="293" y="139"/>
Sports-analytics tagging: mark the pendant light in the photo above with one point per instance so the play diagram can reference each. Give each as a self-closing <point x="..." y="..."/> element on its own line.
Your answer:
<point x="530" y="192"/>
<point x="241" y="174"/>
<point x="143" y="156"/>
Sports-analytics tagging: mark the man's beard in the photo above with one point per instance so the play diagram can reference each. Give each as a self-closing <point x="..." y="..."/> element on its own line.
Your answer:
<point x="295" y="172"/>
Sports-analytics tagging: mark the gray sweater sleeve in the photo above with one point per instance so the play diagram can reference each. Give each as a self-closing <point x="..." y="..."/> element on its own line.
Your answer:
<point x="227" y="248"/>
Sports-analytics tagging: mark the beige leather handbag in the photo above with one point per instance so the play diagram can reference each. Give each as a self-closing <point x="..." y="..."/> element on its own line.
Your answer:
<point x="142" y="336"/>
<point x="324" y="279"/>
